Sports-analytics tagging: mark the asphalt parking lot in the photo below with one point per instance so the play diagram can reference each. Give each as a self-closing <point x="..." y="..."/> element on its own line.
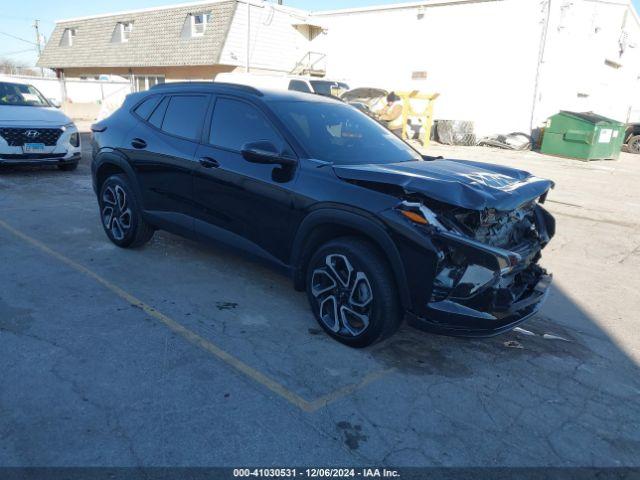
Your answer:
<point x="186" y="354"/>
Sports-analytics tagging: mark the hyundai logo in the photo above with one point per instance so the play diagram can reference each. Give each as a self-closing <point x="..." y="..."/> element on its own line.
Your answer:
<point x="32" y="134"/>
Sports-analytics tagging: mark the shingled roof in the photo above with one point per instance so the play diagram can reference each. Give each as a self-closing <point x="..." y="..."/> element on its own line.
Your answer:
<point x="156" y="39"/>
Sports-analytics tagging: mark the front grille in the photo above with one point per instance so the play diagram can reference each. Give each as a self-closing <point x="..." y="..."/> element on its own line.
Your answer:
<point x="17" y="137"/>
<point x="30" y="156"/>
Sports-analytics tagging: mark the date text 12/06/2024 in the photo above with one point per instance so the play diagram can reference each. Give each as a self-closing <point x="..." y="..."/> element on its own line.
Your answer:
<point x="315" y="473"/>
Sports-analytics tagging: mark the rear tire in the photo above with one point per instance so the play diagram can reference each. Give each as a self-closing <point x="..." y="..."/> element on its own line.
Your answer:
<point x="352" y="292"/>
<point x="120" y="214"/>
<point x="633" y="144"/>
<point x="68" y="167"/>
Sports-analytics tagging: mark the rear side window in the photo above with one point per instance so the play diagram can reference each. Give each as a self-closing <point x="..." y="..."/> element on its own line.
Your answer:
<point x="235" y="123"/>
<point x="299" y="86"/>
<point x="145" y="108"/>
<point x="185" y="115"/>
<point x="158" y="114"/>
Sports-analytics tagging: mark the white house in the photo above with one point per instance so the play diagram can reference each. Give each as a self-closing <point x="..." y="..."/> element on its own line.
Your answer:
<point x="506" y="65"/>
<point x="187" y="41"/>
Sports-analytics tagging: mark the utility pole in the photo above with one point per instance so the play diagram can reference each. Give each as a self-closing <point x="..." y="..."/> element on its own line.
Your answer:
<point x="36" y="26"/>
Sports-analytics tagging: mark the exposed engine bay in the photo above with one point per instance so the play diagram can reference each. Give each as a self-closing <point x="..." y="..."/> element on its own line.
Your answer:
<point x="503" y="229"/>
<point x="500" y="229"/>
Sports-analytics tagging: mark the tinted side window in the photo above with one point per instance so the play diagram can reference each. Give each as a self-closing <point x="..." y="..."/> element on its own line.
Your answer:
<point x="185" y="116"/>
<point x="158" y="114"/>
<point x="145" y="108"/>
<point x="299" y="86"/>
<point x="235" y="123"/>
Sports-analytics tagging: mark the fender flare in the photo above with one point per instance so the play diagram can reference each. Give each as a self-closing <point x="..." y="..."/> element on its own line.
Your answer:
<point x="368" y="227"/>
<point x="116" y="158"/>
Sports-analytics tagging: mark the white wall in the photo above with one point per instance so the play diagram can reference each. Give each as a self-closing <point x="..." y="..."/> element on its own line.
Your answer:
<point x="582" y="36"/>
<point x="78" y="91"/>
<point x="275" y="44"/>
<point x="86" y="91"/>
<point x="480" y="57"/>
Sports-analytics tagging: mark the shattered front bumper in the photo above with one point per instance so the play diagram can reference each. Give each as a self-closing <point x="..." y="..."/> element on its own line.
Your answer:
<point x="516" y="289"/>
<point x="455" y="318"/>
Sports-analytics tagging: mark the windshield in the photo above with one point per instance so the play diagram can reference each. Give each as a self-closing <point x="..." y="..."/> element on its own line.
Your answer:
<point x="17" y="94"/>
<point x="341" y="134"/>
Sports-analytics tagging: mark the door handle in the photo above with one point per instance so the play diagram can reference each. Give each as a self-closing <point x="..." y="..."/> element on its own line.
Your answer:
<point x="208" y="162"/>
<point x="138" y="143"/>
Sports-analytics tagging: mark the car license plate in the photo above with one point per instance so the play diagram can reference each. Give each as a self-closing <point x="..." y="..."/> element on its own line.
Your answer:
<point x="33" y="148"/>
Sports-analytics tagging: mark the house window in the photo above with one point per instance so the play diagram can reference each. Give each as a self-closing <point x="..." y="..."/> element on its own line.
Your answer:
<point x="199" y="24"/>
<point x="145" y="82"/>
<point x="122" y="32"/>
<point x="68" y="36"/>
<point x="126" y="29"/>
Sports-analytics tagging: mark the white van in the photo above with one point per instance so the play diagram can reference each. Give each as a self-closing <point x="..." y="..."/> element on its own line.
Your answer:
<point x="320" y="86"/>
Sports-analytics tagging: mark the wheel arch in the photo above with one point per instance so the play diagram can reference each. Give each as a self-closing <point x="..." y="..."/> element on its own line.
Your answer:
<point x="631" y="131"/>
<point x="112" y="162"/>
<point x="325" y="224"/>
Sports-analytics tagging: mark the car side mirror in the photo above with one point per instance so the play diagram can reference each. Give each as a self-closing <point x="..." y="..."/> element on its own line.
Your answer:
<point x="54" y="103"/>
<point x="266" y="153"/>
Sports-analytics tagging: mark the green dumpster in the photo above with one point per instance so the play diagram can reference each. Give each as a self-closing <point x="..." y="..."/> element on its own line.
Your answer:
<point x="586" y="136"/>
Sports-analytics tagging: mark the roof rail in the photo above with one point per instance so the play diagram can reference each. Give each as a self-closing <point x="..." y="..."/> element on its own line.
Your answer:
<point x="246" y="88"/>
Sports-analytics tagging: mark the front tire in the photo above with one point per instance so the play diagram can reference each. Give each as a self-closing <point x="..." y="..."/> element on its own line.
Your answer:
<point x="120" y="214"/>
<point x="352" y="292"/>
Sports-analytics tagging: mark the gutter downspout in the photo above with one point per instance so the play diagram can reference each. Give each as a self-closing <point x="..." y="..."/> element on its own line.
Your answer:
<point x="541" y="53"/>
<point x="246" y="66"/>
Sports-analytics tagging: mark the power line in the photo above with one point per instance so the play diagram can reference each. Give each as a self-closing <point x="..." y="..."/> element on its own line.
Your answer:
<point x="15" y="53"/>
<point x="18" y="38"/>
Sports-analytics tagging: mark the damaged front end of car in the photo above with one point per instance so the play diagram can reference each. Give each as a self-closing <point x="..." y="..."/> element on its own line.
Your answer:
<point x="487" y="278"/>
<point x="470" y="235"/>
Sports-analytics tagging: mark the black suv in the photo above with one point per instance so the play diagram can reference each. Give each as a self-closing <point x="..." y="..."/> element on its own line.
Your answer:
<point x="372" y="230"/>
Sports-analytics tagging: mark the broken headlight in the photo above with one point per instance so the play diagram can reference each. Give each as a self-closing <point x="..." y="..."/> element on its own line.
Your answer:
<point x="418" y="213"/>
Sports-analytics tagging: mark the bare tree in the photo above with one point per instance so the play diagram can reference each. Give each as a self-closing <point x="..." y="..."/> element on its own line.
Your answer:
<point x="12" y="67"/>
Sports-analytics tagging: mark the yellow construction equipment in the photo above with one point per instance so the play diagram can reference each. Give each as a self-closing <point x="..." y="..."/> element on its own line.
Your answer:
<point x="412" y="103"/>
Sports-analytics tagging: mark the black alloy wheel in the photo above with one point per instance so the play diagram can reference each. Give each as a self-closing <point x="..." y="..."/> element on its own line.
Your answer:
<point x="120" y="214"/>
<point x="352" y="292"/>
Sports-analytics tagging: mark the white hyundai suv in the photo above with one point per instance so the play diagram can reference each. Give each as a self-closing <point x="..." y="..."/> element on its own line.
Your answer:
<point x="33" y="131"/>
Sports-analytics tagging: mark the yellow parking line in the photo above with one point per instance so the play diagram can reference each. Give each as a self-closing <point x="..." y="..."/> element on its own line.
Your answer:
<point x="348" y="389"/>
<point x="201" y="342"/>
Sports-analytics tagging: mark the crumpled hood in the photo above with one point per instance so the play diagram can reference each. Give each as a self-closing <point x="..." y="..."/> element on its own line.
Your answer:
<point x="31" y="116"/>
<point x="472" y="185"/>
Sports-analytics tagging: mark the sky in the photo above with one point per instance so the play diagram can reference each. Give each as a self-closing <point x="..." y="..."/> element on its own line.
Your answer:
<point x="17" y="35"/>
